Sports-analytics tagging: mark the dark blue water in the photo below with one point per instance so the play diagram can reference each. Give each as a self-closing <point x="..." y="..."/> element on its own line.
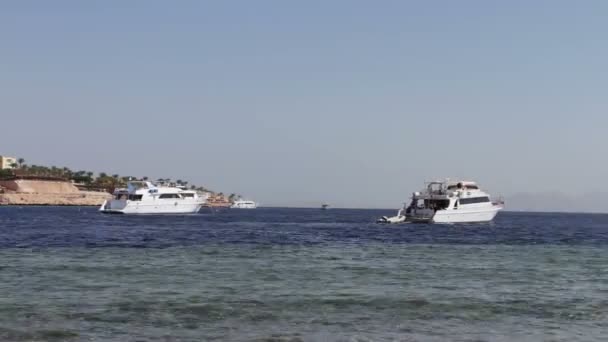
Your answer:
<point x="73" y="274"/>
<point x="85" y="227"/>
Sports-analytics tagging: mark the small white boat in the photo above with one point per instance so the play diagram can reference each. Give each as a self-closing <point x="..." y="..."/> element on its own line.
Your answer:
<point x="146" y="198"/>
<point x="243" y="204"/>
<point x="399" y="218"/>
<point x="448" y="202"/>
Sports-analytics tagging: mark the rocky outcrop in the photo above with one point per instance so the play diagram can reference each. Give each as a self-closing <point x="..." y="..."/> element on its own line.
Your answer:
<point x="45" y="192"/>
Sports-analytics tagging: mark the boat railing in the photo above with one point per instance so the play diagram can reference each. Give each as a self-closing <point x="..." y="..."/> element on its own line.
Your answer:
<point x="499" y="201"/>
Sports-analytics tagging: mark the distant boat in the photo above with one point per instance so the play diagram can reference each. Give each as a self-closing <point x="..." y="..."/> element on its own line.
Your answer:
<point x="244" y="204"/>
<point x="324" y="206"/>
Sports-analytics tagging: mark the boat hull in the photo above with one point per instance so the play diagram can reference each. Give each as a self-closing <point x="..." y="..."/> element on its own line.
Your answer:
<point x="135" y="208"/>
<point x="252" y="206"/>
<point x="465" y="216"/>
<point x="458" y="216"/>
<point x="392" y="220"/>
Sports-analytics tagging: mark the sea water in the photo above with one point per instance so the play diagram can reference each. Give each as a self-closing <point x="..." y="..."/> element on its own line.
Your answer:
<point x="73" y="274"/>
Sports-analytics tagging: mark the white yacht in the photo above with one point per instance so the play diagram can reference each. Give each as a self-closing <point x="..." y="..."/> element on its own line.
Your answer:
<point x="448" y="202"/>
<point x="146" y="198"/>
<point x="243" y="204"/>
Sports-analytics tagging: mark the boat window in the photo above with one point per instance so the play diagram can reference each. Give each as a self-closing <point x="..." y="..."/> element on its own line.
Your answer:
<point x="187" y="195"/>
<point x="460" y="186"/>
<point x="437" y="204"/>
<point x="474" y="200"/>
<point x="168" y="196"/>
<point x="135" y="197"/>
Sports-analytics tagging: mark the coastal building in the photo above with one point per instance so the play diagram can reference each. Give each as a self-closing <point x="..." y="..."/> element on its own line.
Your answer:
<point x="7" y="162"/>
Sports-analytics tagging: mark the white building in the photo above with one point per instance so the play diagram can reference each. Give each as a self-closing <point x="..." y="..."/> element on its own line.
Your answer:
<point x="7" y="162"/>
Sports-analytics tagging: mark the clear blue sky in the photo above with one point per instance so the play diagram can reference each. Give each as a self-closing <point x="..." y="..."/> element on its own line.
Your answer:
<point x="295" y="103"/>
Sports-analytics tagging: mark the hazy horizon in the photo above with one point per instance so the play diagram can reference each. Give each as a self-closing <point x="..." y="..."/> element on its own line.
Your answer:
<point x="295" y="104"/>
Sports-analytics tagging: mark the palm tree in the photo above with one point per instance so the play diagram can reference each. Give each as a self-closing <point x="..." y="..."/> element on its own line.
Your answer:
<point x="115" y="176"/>
<point x="179" y="182"/>
<point x="145" y="178"/>
<point x="14" y="165"/>
<point x="4" y="173"/>
<point x="203" y="189"/>
<point x="192" y="187"/>
<point x="21" y="161"/>
<point x="67" y="172"/>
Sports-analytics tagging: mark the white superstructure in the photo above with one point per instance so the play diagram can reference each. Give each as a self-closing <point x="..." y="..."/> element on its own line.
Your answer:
<point x="243" y="204"/>
<point x="146" y="198"/>
<point x="451" y="202"/>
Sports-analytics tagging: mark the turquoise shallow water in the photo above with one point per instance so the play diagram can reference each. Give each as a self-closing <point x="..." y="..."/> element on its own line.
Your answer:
<point x="333" y="290"/>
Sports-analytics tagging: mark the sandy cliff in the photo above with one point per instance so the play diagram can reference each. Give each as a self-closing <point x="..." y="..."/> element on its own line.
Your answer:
<point x="40" y="186"/>
<point x="44" y="192"/>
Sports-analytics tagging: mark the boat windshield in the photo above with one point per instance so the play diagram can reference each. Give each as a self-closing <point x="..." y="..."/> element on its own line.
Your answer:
<point x="436" y="188"/>
<point x="461" y="186"/>
<point x="137" y="185"/>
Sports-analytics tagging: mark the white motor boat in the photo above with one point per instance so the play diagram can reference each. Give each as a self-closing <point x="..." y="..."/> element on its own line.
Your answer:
<point x="146" y="198"/>
<point x="399" y="218"/>
<point x="451" y="202"/>
<point x="448" y="202"/>
<point x="243" y="204"/>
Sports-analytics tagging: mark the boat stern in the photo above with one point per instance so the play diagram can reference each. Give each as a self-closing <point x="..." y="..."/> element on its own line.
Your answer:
<point x="103" y="205"/>
<point x="113" y="206"/>
<point x="419" y="215"/>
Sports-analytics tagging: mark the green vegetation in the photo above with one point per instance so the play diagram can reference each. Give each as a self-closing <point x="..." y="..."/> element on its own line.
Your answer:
<point x="84" y="178"/>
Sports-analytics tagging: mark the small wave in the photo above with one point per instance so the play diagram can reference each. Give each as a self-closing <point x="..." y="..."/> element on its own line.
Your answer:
<point x="60" y="335"/>
<point x="279" y="338"/>
<point x="44" y="335"/>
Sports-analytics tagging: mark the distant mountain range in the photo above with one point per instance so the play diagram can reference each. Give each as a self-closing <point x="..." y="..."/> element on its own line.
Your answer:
<point x="558" y="201"/>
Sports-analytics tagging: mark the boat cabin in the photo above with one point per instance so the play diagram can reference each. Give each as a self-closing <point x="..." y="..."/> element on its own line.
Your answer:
<point x="447" y="195"/>
<point x="138" y="190"/>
